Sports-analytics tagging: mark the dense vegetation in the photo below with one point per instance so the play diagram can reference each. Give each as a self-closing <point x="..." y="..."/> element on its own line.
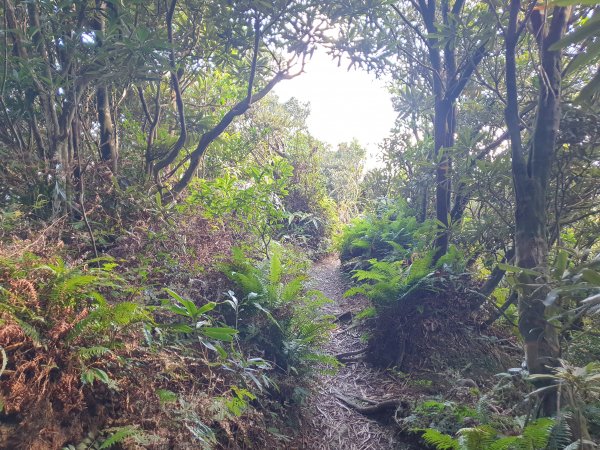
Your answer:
<point x="160" y="210"/>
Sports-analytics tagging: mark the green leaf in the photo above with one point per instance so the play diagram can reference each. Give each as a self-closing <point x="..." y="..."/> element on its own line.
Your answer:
<point x="205" y="308"/>
<point x="276" y="268"/>
<point x="166" y="396"/>
<point x="181" y="328"/>
<point x="268" y="314"/>
<point x="90" y="375"/>
<point x="225" y="334"/>
<point x="588" y="91"/>
<point x="175" y="295"/>
<point x="591" y="276"/>
<point x="590" y="28"/>
<point x="515" y="269"/>
<point x="439" y="440"/>
<point x="561" y="263"/>
<point x="292" y="289"/>
<point x="590" y="56"/>
<point x="124" y="313"/>
<point x="120" y="434"/>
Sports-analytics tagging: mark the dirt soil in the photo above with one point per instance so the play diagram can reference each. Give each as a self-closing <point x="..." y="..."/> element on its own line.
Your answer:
<point x="328" y="423"/>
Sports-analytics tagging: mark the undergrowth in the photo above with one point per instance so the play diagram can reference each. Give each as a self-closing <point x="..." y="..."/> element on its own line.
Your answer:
<point x="275" y="313"/>
<point x="57" y="327"/>
<point x="80" y="341"/>
<point x="449" y="425"/>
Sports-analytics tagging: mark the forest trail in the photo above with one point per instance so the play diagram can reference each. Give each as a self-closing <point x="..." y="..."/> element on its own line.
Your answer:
<point x="328" y="423"/>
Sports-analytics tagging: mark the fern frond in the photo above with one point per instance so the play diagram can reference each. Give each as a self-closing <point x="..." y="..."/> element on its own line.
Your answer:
<point x="360" y="243"/>
<point x="419" y="268"/>
<point x="30" y="331"/>
<point x="506" y="443"/>
<point x="354" y="291"/>
<point x="560" y="435"/>
<point x="249" y="282"/>
<point x="440" y="440"/>
<point x="86" y="353"/>
<point x="477" y="438"/>
<point x="119" y="434"/>
<point x="292" y="289"/>
<point x="275" y="266"/>
<point x="125" y="313"/>
<point x="538" y="432"/>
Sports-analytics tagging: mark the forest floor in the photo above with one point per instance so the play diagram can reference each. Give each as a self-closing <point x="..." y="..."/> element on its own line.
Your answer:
<point x="328" y="422"/>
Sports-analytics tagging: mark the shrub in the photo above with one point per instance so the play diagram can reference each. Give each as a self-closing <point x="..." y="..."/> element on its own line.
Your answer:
<point x="251" y="202"/>
<point x="388" y="235"/>
<point x="277" y="314"/>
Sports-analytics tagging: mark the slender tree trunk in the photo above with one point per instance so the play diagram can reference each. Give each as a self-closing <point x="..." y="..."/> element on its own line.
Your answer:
<point x="443" y="139"/>
<point x="448" y="83"/>
<point x="442" y="111"/>
<point x="108" y="150"/>
<point x="542" y="348"/>
<point x="530" y="177"/>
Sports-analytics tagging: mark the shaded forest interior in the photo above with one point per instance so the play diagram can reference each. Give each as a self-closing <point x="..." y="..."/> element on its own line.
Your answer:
<point x="183" y="265"/>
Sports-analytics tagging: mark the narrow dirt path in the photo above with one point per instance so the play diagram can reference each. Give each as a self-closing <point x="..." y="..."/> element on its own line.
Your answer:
<point x="328" y="423"/>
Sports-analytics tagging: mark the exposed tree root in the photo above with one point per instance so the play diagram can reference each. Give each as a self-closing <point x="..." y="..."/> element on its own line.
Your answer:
<point x="350" y="356"/>
<point x="374" y="408"/>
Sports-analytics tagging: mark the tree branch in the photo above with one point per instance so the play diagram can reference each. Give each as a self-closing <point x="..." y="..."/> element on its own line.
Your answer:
<point x="174" y="152"/>
<point x="454" y="90"/>
<point x="409" y="23"/>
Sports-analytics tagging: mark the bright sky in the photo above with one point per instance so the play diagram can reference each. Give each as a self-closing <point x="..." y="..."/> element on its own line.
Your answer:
<point x="344" y="104"/>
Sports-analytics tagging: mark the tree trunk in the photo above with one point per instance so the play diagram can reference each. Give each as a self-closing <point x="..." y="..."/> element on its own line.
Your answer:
<point x="542" y="348"/>
<point x="445" y="113"/>
<point x="541" y="340"/>
<point x="448" y="84"/>
<point x="108" y="151"/>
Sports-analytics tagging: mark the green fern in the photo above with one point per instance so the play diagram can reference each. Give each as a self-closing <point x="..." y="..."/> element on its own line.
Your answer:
<point x="30" y="331"/>
<point x="248" y="282"/>
<point x="440" y="440"/>
<point x="537" y="433"/>
<point x="507" y="443"/>
<point x="560" y="434"/>
<point x="166" y="396"/>
<point x="293" y="289"/>
<point x="119" y="434"/>
<point x="275" y="267"/>
<point x="419" y="268"/>
<point x="295" y="328"/>
<point x="534" y="436"/>
<point x="366" y="313"/>
<point x="86" y="353"/>
<point x="89" y="375"/>
<point x="477" y="438"/>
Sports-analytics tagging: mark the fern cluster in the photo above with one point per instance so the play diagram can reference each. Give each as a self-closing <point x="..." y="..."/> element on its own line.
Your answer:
<point x="51" y="301"/>
<point x="277" y="314"/>
<point x="388" y="235"/>
<point x="491" y="432"/>
<point x="54" y="316"/>
<point x="388" y="256"/>
<point x="535" y="436"/>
